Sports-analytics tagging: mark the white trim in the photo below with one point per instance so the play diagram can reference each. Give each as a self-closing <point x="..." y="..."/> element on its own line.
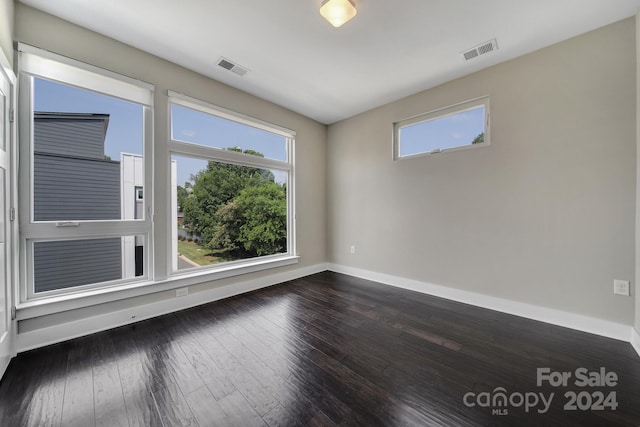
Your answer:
<point x="66" y="331"/>
<point x="89" y="229"/>
<point x="635" y="340"/>
<point x="206" y="107"/>
<point x="187" y="149"/>
<point x="34" y="62"/>
<point x="9" y="255"/>
<point x="292" y="242"/>
<point x="543" y="314"/>
<point x="50" y="65"/>
<point x="72" y="301"/>
<point x="179" y="148"/>
<point x="62" y="332"/>
<point x="79" y="289"/>
<point x="441" y="113"/>
<point x="7" y="70"/>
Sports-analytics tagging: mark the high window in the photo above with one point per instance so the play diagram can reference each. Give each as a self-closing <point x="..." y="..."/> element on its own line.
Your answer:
<point x="232" y="188"/>
<point x="84" y="162"/>
<point x="459" y="126"/>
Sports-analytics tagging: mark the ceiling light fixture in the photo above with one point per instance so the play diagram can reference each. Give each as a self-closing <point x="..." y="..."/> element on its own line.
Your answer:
<point x="337" y="12"/>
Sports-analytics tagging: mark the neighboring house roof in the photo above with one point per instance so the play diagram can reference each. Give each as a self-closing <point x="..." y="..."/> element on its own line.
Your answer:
<point x="40" y="115"/>
<point x="71" y="134"/>
<point x="73" y="116"/>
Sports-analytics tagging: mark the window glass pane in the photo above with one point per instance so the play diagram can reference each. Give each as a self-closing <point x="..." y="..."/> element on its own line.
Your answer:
<point x="227" y="212"/>
<point x="441" y="133"/>
<point x="66" y="264"/>
<point x="196" y="127"/>
<point x="87" y="154"/>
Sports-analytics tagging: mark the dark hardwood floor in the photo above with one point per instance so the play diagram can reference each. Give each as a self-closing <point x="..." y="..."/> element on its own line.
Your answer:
<point x="324" y="350"/>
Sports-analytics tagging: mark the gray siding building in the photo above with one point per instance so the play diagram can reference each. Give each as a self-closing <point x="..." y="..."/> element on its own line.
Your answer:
<point x="70" y="263"/>
<point x="74" y="181"/>
<point x="72" y="134"/>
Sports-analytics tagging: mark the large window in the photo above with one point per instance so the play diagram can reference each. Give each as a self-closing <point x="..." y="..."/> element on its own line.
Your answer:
<point x="460" y="126"/>
<point x="84" y="162"/>
<point x="232" y="180"/>
<point x="88" y="206"/>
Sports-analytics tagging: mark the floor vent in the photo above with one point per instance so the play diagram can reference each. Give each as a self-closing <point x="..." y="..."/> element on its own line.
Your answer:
<point x="228" y="65"/>
<point x="482" y="49"/>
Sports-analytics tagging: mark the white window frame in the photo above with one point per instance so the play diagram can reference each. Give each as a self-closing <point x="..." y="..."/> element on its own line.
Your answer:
<point x="34" y="62"/>
<point x="193" y="150"/>
<point x="438" y="114"/>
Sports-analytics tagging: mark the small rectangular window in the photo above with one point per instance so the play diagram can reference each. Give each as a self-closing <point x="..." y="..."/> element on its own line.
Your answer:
<point x="458" y="126"/>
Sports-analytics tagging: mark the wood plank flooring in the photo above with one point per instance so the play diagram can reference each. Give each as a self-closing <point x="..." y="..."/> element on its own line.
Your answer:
<point x="325" y="350"/>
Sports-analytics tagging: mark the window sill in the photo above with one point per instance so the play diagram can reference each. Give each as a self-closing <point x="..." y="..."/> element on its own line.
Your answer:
<point x="57" y="304"/>
<point x="443" y="151"/>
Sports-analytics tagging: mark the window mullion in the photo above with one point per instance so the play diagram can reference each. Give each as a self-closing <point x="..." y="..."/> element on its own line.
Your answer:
<point x="69" y="229"/>
<point x="215" y="154"/>
<point x="205" y="107"/>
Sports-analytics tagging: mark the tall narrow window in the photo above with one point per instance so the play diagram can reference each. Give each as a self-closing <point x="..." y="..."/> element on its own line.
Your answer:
<point x="459" y="126"/>
<point x="85" y="133"/>
<point x="232" y="187"/>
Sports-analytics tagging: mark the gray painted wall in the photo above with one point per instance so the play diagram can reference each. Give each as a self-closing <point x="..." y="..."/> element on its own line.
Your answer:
<point x="67" y="264"/>
<point x="544" y="215"/>
<point x="7" y="28"/>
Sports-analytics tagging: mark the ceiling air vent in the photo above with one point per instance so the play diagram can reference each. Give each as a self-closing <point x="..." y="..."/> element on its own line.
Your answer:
<point x="228" y="65"/>
<point x="484" y="48"/>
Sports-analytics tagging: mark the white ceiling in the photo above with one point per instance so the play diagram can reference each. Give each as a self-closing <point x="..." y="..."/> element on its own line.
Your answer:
<point x="391" y="49"/>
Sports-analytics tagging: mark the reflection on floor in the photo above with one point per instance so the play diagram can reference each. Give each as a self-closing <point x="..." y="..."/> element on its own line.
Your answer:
<point x="324" y="350"/>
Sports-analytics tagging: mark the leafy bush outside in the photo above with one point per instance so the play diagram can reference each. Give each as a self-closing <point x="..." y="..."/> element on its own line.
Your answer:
<point x="235" y="210"/>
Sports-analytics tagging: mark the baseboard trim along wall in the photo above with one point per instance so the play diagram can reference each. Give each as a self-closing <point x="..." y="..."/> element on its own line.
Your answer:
<point x="58" y="333"/>
<point x="66" y="331"/>
<point x="556" y="317"/>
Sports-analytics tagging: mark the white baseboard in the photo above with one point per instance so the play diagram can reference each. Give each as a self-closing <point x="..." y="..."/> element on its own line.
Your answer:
<point x="62" y="332"/>
<point x="58" y="333"/>
<point x="635" y="340"/>
<point x="556" y="317"/>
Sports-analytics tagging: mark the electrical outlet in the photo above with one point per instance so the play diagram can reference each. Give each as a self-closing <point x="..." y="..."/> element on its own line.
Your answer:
<point x="621" y="287"/>
<point x="353" y="249"/>
<point x="182" y="292"/>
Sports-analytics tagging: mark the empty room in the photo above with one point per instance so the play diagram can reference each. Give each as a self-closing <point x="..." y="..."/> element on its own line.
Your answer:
<point x="319" y="213"/>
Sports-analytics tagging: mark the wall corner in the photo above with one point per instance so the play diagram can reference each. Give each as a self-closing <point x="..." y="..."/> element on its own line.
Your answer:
<point x="637" y="230"/>
<point x="7" y="19"/>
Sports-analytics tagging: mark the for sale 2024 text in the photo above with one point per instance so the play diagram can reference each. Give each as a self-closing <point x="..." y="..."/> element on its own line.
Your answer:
<point x="582" y="377"/>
